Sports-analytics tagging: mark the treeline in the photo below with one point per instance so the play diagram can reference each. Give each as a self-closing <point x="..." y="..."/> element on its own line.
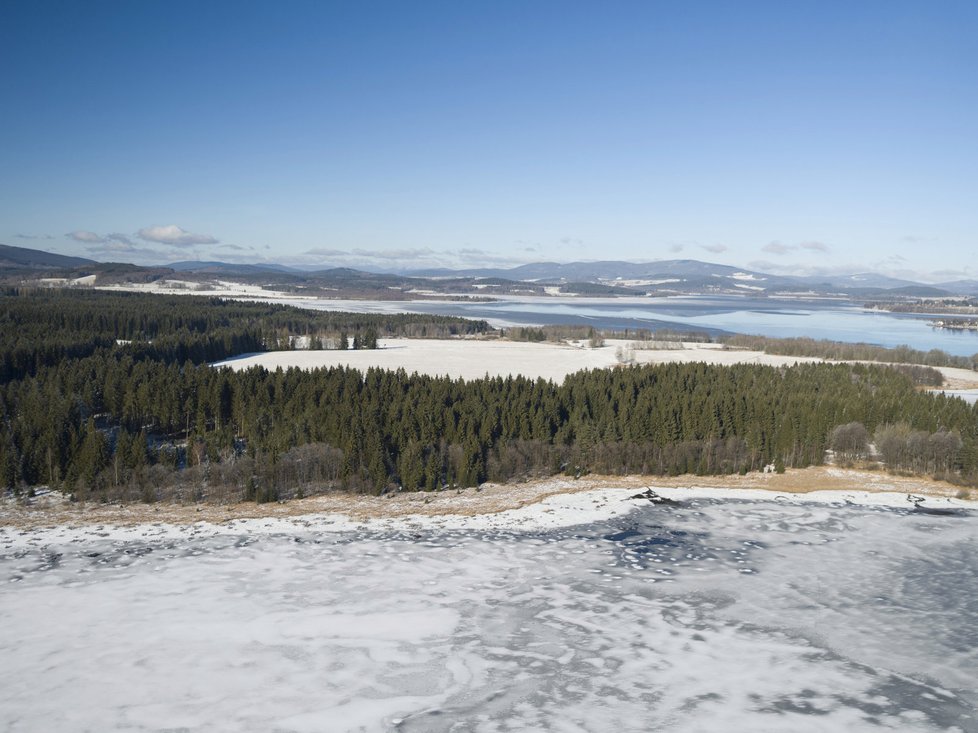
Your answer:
<point x="112" y="427"/>
<point x="840" y="351"/>
<point x="40" y="328"/>
<point x="899" y="446"/>
<point x="930" y="306"/>
<point x="598" y="289"/>
<point x="573" y="332"/>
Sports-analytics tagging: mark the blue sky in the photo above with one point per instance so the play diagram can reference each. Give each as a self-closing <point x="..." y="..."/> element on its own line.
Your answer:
<point x="793" y="137"/>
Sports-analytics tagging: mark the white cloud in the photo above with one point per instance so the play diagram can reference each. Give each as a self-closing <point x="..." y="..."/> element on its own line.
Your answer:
<point x="325" y="252"/>
<point x="115" y="249"/>
<point x="175" y="236"/>
<point x="777" y="248"/>
<point x="408" y="258"/>
<point x="392" y="254"/>
<point x="714" y="248"/>
<point x="80" y="235"/>
<point x="116" y="237"/>
<point x="815" y="246"/>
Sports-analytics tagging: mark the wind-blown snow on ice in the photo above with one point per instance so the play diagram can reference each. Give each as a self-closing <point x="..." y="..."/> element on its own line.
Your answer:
<point x="711" y="616"/>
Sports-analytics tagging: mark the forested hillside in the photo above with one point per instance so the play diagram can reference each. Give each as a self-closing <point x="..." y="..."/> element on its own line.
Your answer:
<point x="44" y="327"/>
<point x="138" y="422"/>
<point x="823" y="349"/>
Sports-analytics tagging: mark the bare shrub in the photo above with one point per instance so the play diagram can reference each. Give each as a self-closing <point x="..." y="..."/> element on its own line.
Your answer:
<point x="849" y="441"/>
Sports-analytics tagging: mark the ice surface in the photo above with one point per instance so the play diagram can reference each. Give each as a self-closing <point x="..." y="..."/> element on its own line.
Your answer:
<point x="733" y="615"/>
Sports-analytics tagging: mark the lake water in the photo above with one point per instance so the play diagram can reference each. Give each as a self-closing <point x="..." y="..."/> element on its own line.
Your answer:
<point x="713" y="616"/>
<point x="819" y="319"/>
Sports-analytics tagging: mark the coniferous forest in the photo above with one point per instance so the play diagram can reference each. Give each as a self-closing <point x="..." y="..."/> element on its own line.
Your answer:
<point x="109" y="397"/>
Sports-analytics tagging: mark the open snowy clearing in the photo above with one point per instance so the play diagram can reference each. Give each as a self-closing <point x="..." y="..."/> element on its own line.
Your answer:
<point x="210" y="288"/>
<point x="476" y="358"/>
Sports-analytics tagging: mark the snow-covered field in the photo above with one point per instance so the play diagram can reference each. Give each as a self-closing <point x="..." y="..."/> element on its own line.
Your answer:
<point x="475" y="358"/>
<point x="212" y="288"/>
<point x="586" y="612"/>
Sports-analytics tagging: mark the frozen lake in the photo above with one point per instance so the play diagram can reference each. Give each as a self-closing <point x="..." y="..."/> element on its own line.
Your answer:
<point x="834" y="320"/>
<point x="713" y="616"/>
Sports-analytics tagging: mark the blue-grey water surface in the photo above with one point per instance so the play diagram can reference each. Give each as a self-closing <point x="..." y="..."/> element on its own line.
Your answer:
<point x="781" y="318"/>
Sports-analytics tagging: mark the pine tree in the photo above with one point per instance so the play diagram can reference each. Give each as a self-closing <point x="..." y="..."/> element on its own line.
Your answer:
<point x="93" y="456"/>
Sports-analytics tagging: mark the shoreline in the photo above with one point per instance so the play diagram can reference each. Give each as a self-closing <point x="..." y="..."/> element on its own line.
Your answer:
<point x="535" y="504"/>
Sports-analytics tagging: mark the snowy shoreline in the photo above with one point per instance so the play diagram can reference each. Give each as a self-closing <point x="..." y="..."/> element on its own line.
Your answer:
<point x="533" y="506"/>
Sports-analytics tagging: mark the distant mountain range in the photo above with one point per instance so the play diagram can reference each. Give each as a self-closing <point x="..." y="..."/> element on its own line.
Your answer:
<point x="38" y="259"/>
<point x="697" y="273"/>
<point x="608" y="277"/>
